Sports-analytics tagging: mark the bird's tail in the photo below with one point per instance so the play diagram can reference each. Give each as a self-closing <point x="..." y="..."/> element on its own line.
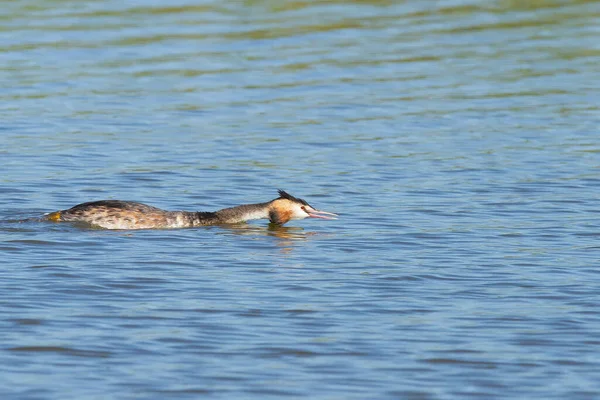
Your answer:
<point x="54" y="217"/>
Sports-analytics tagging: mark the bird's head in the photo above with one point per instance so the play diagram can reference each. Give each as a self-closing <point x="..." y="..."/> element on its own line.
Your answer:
<point x="287" y="207"/>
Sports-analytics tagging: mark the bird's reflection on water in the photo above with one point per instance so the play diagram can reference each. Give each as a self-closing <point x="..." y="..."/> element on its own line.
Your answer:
<point x="287" y="236"/>
<point x="274" y="230"/>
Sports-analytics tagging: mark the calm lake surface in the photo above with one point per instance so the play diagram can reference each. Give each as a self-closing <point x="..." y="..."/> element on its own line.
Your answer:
<point x="458" y="140"/>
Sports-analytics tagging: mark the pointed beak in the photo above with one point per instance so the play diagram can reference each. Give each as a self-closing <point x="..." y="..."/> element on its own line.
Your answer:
<point x="312" y="213"/>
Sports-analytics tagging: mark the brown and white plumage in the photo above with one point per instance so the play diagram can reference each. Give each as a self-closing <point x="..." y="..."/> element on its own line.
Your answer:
<point x="117" y="214"/>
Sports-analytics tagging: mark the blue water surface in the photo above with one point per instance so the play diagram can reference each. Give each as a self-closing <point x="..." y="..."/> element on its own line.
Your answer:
<point x="458" y="141"/>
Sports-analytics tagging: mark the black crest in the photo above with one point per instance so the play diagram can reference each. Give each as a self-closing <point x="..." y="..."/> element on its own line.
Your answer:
<point x="285" y="195"/>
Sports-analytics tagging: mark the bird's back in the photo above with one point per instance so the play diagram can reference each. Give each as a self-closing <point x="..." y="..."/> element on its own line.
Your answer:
<point x="115" y="214"/>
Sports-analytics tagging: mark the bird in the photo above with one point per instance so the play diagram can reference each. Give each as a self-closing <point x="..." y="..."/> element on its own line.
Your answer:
<point x="118" y="214"/>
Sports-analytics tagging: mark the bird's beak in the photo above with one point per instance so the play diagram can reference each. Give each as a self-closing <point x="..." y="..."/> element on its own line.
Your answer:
<point x="312" y="213"/>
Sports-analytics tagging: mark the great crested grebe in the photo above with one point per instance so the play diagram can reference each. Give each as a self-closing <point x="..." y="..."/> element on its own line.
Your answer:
<point x="117" y="214"/>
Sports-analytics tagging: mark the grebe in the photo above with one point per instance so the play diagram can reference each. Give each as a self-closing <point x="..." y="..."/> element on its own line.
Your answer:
<point x="117" y="214"/>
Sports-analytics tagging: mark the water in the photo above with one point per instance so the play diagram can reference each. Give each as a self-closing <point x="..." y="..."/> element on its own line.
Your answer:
<point x="457" y="139"/>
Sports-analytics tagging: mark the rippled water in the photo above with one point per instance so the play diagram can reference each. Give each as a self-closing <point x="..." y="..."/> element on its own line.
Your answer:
<point x="457" y="139"/>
